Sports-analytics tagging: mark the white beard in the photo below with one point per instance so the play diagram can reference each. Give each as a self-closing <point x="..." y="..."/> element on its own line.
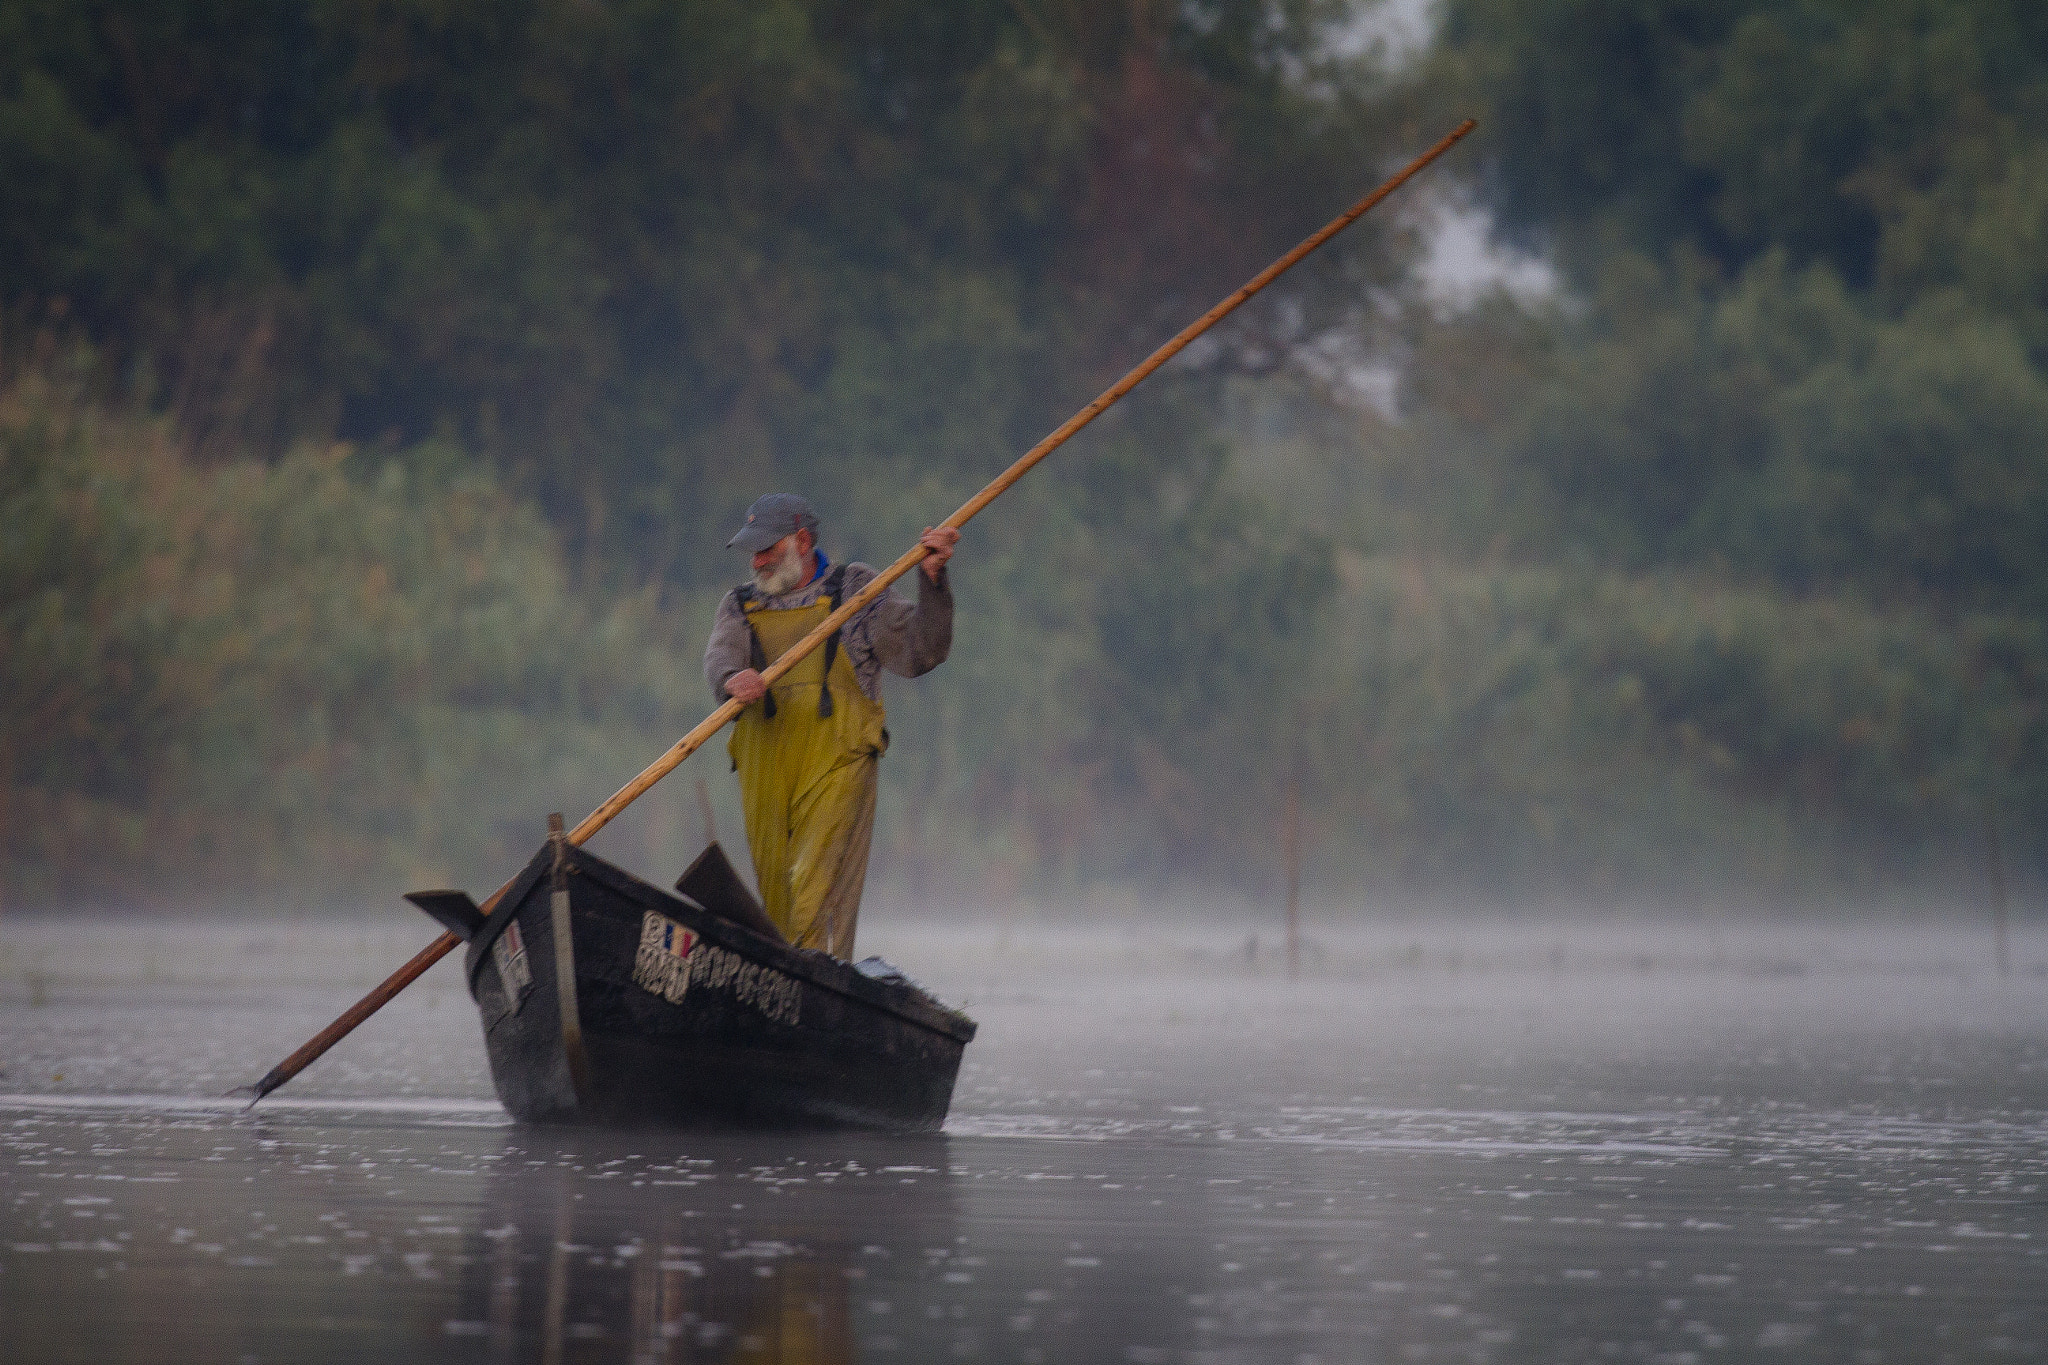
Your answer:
<point x="786" y="573"/>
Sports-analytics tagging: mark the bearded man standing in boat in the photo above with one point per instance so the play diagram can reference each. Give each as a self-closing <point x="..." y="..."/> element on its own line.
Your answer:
<point x="808" y="750"/>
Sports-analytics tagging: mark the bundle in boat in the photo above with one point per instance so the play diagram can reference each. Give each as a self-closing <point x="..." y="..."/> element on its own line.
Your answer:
<point x="608" y="1000"/>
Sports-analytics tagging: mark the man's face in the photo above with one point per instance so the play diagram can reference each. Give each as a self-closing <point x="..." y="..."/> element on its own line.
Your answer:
<point x="783" y="565"/>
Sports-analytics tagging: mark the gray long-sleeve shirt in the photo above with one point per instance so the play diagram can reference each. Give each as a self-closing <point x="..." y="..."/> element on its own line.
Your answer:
<point x="906" y="638"/>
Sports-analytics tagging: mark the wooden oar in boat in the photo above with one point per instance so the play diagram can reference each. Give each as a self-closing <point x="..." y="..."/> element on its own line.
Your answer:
<point x="717" y="720"/>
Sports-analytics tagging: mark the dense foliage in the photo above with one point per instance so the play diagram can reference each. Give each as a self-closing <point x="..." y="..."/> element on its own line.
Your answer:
<point x="646" y="255"/>
<point x="1819" y="308"/>
<point x="1811" y="353"/>
<point x="381" y="381"/>
<point x="256" y="673"/>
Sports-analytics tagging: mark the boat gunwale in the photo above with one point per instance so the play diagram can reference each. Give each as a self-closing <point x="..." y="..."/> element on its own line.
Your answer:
<point x="909" y="1003"/>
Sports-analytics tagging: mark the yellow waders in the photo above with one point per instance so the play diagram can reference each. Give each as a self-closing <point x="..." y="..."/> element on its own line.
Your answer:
<point x="807" y="784"/>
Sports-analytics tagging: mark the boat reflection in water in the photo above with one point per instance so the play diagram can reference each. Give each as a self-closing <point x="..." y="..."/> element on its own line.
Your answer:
<point x="731" y="1253"/>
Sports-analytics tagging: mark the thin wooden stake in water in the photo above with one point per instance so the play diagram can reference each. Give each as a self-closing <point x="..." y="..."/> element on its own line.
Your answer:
<point x="1290" y="841"/>
<point x="853" y="606"/>
<point x="1997" y="853"/>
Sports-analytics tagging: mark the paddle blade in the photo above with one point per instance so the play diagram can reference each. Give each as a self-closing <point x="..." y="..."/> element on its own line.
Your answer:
<point x="712" y="883"/>
<point x="454" y="910"/>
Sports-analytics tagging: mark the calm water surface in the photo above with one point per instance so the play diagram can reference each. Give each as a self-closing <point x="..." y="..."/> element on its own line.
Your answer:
<point x="1552" y="1155"/>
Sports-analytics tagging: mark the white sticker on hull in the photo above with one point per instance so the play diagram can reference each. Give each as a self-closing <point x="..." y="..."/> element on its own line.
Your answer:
<point x="509" y="953"/>
<point x="663" y="963"/>
<point x="671" y="958"/>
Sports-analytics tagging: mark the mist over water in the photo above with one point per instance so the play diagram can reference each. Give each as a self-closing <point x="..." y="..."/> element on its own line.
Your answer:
<point x="1575" y="1142"/>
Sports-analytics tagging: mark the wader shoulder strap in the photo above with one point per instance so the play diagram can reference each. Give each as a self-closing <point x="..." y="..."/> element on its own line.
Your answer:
<point x="757" y="657"/>
<point x="835" y="584"/>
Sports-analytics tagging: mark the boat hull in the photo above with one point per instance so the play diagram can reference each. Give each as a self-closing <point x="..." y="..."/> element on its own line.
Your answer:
<point x="686" y="1019"/>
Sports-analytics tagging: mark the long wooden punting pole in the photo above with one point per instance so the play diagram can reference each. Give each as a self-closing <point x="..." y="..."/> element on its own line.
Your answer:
<point x="717" y="720"/>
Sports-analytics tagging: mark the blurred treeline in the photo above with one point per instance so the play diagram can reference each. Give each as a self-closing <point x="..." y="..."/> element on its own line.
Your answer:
<point x="381" y="381"/>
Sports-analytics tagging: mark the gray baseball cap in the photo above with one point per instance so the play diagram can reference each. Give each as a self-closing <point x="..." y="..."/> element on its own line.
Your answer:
<point x="773" y="516"/>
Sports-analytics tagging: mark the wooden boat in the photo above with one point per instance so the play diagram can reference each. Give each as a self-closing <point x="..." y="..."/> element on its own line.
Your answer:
<point x="689" y="1008"/>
